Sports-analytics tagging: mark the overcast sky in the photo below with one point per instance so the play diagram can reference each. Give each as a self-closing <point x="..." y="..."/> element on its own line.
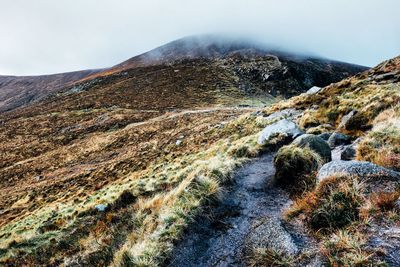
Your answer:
<point x="49" y="36"/>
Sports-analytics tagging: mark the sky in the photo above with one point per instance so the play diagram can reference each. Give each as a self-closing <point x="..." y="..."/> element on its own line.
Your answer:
<point x="51" y="36"/>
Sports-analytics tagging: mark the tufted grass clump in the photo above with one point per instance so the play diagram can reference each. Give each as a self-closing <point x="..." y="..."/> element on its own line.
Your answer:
<point x="296" y="168"/>
<point x="345" y="248"/>
<point x="334" y="204"/>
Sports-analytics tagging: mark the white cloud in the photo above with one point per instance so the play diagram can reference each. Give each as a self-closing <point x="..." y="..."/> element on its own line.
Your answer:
<point x="47" y="36"/>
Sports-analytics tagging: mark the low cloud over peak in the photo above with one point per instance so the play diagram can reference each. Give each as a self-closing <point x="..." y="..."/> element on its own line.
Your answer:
<point x="47" y="36"/>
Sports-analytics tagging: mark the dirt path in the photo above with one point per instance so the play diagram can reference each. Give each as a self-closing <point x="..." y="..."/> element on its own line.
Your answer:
<point x="249" y="213"/>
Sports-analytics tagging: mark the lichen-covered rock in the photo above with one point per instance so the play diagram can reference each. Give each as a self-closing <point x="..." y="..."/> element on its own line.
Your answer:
<point x="315" y="143"/>
<point x="282" y="127"/>
<point x="338" y="139"/>
<point x="361" y="169"/>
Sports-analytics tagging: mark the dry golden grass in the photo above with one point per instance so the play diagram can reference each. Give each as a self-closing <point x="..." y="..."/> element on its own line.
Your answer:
<point x="344" y="248"/>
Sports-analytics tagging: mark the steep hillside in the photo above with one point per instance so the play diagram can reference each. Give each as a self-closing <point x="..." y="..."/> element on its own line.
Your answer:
<point x="20" y="91"/>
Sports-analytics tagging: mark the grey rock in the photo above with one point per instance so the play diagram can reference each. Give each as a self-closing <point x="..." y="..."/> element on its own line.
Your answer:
<point x="361" y="169"/>
<point x="338" y="139"/>
<point x="325" y="136"/>
<point x="100" y="207"/>
<point x="178" y="142"/>
<point x="268" y="233"/>
<point x="315" y="143"/>
<point x="345" y="119"/>
<point x="386" y="76"/>
<point x="348" y="153"/>
<point x="284" y="126"/>
<point x="313" y="90"/>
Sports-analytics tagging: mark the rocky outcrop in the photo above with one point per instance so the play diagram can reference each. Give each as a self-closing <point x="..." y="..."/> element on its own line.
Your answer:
<point x="361" y="169"/>
<point x="315" y="143"/>
<point x="283" y="127"/>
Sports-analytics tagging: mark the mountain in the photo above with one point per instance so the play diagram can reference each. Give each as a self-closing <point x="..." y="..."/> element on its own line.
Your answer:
<point x="187" y="68"/>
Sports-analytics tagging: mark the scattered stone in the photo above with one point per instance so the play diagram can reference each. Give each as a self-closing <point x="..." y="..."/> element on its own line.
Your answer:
<point x="361" y="169"/>
<point x="100" y="207"/>
<point x="284" y="127"/>
<point x="38" y="178"/>
<point x="313" y="90"/>
<point x="338" y="139"/>
<point x="268" y="233"/>
<point x="178" y="142"/>
<point x="315" y="143"/>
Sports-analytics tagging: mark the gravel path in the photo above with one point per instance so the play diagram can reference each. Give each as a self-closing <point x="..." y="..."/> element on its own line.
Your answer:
<point x="248" y="213"/>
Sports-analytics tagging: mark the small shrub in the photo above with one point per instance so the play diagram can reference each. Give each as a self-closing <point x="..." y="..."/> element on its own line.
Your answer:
<point x="333" y="204"/>
<point x="296" y="168"/>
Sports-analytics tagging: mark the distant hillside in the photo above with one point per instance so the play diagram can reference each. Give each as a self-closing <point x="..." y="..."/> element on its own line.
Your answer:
<point x="17" y="91"/>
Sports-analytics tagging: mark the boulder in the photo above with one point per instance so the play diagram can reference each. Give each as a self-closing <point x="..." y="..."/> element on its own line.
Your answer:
<point x="338" y="139"/>
<point x="313" y="90"/>
<point x="325" y="136"/>
<point x="348" y="153"/>
<point x="284" y="127"/>
<point x="361" y="169"/>
<point x="315" y="143"/>
<point x="346" y="118"/>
